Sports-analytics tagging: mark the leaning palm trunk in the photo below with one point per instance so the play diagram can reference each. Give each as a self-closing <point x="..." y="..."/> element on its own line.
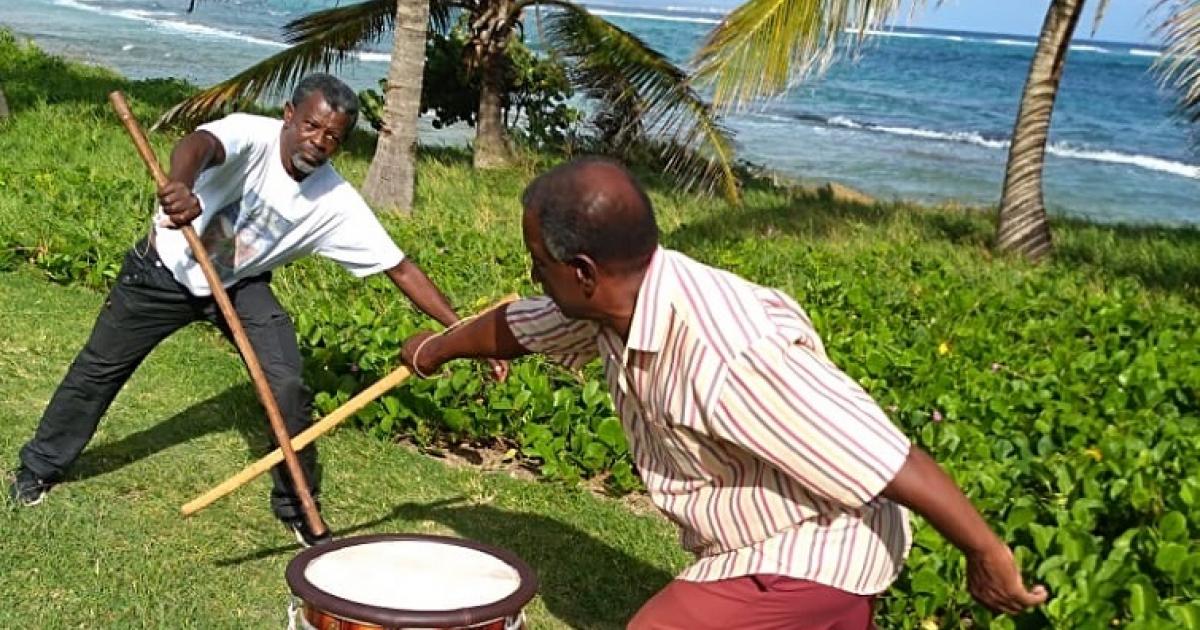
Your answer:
<point x="390" y="179"/>
<point x="3" y="105"/>
<point x="1023" y="227"/>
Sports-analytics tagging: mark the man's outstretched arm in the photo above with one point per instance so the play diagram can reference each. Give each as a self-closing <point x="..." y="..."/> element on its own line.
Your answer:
<point x="992" y="573"/>
<point x="485" y="337"/>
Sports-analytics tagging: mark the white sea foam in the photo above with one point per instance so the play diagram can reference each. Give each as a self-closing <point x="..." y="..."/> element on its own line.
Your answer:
<point x="1088" y="48"/>
<point x="1012" y="42"/>
<point x="1063" y="150"/>
<point x="1141" y="52"/>
<point x="159" y="20"/>
<point x="1113" y="157"/>
<point x="654" y="16"/>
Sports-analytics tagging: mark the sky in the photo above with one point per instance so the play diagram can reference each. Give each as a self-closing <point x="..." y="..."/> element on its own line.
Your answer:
<point x="1124" y="20"/>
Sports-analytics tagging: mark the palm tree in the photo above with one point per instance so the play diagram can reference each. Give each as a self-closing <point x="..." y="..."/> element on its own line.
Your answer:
<point x="3" y="105"/>
<point x="1022" y="225"/>
<point x="1180" y="63"/>
<point x="392" y="175"/>
<point x="491" y="28"/>
<point x="607" y="63"/>
<point x="337" y="34"/>
<point x="765" y="46"/>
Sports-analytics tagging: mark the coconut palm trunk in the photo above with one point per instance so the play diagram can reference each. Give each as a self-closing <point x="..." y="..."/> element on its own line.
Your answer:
<point x="491" y="136"/>
<point x="1023" y="227"/>
<point x="492" y="23"/>
<point x="3" y="105"/>
<point x="391" y="177"/>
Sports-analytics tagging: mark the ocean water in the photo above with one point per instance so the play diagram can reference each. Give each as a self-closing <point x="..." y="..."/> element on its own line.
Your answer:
<point x="921" y="115"/>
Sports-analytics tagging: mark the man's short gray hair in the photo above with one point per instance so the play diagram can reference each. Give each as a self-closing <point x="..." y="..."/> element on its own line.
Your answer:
<point x="336" y="93"/>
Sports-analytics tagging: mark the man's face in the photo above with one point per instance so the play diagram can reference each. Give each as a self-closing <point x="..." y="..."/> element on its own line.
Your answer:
<point x="560" y="281"/>
<point x="312" y="133"/>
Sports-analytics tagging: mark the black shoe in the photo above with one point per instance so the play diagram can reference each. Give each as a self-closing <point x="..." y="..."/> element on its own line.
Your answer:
<point x="304" y="534"/>
<point x="26" y="488"/>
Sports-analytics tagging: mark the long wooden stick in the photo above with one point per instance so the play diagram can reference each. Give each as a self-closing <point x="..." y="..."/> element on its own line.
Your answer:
<point x="240" y="339"/>
<point x="336" y="417"/>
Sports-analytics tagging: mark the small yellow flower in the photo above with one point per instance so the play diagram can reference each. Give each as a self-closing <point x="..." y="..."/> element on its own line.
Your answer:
<point x="1094" y="453"/>
<point x="943" y="349"/>
<point x="929" y="624"/>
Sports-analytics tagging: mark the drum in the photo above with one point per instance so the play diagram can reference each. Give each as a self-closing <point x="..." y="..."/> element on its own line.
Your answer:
<point x="408" y="581"/>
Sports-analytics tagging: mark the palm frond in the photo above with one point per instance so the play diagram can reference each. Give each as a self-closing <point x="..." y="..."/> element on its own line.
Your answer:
<point x="1101" y="7"/>
<point x="318" y="40"/>
<point x="1179" y="66"/>
<point x="641" y="95"/>
<point x="441" y="15"/>
<point x="765" y="46"/>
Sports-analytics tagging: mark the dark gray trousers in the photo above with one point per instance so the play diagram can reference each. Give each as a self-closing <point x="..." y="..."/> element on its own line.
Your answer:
<point x="144" y="307"/>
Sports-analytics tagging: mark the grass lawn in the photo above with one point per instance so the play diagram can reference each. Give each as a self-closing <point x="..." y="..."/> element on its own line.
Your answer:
<point x="109" y="549"/>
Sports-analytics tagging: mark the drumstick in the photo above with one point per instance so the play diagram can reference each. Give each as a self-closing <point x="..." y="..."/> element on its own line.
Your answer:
<point x="231" y="319"/>
<point x="349" y="408"/>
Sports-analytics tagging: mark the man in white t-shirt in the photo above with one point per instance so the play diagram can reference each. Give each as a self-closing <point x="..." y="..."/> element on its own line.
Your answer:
<point x="260" y="193"/>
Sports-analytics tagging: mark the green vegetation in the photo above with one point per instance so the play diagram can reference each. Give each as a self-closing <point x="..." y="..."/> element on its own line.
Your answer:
<point x="1064" y="398"/>
<point x="535" y="88"/>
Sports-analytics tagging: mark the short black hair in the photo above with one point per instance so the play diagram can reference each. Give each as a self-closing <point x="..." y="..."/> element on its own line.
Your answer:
<point x="578" y="217"/>
<point x="336" y="93"/>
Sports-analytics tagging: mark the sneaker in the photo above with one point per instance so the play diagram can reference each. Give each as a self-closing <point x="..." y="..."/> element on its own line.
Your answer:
<point x="304" y="534"/>
<point x="26" y="488"/>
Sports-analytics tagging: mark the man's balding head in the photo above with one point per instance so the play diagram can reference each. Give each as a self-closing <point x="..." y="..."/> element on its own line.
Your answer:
<point x="596" y="208"/>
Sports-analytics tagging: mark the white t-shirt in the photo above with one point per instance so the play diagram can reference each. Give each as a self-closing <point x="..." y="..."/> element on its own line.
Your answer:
<point x="256" y="217"/>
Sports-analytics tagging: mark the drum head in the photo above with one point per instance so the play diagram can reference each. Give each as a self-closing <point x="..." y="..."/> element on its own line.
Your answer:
<point x="412" y="580"/>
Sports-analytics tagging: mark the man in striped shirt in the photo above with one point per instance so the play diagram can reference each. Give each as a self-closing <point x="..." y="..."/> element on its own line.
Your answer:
<point x="785" y="477"/>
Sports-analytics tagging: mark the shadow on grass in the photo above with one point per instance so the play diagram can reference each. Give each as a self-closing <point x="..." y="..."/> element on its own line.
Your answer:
<point x="1163" y="258"/>
<point x="820" y="215"/>
<point x="210" y="416"/>
<point x="582" y="580"/>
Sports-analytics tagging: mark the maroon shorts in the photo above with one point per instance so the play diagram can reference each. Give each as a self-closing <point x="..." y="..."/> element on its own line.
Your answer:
<point x="754" y="602"/>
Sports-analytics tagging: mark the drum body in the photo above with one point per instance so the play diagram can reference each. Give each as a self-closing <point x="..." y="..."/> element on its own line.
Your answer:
<point x="400" y="581"/>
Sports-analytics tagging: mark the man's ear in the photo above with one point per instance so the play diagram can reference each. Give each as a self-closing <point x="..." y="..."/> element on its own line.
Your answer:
<point x="587" y="273"/>
<point x="289" y="110"/>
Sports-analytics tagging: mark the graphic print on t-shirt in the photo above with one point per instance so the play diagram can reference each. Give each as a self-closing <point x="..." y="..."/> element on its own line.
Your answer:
<point x="237" y="233"/>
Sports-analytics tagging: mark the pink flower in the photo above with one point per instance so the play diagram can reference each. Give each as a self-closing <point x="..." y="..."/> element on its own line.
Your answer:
<point x="937" y="416"/>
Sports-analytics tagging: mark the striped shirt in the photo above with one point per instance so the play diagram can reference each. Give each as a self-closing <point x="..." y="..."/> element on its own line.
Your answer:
<point x="769" y="458"/>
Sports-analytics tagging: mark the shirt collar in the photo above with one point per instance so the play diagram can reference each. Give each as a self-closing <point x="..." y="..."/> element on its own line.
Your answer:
<point x="652" y="313"/>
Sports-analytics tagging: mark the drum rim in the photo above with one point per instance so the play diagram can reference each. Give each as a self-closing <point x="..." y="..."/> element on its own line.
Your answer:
<point x="506" y="607"/>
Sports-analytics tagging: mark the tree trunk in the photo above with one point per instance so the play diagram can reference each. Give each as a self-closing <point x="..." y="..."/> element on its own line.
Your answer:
<point x="1022" y="226"/>
<point x="491" y="138"/>
<point x="390" y="179"/>
<point x="492" y="23"/>
<point x="3" y="105"/>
